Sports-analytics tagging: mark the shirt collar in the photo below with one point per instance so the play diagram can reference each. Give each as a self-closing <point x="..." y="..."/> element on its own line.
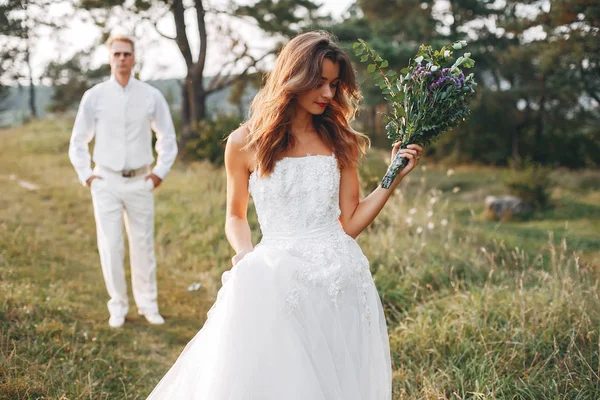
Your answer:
<point x="127" y="87"/>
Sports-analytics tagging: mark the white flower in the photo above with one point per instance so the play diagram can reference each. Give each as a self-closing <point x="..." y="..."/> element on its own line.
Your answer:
<point x="424" y="168"/>
<point x="444" y="222"/>
<point x="419" y="230"/>
<point x="456" y="189"/>
<point x="483" y="250"/>
<point x="429" y="214"/>
<point x="450" y="172"/>
<point x="446" y="53"/>
<point x="432" y="200"/>
<point x="194" y="286"/>
<point x="412" y="211"/>
<point x="430" y="225"/>
<point x="409" y="220"/>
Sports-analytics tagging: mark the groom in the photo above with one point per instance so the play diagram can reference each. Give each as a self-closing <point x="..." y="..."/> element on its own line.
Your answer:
<point x="121" y="114"/>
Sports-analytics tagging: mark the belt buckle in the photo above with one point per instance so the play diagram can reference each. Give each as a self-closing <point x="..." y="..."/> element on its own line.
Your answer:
<point x="128" y="173"/>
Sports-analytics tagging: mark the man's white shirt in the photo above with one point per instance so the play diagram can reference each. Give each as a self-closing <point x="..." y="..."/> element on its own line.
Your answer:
<point x="121" y="119"/>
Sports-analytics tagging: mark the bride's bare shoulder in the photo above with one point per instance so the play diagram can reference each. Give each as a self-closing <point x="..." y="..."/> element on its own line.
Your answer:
<point x="236" y="149"/>
<point x="239" y="137"/>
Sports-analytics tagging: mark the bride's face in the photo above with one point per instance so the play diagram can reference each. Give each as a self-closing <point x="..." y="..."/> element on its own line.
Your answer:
<point x="317" y="100"/>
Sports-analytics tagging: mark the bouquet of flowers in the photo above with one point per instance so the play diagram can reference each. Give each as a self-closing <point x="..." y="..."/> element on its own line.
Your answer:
<point x="426" y="99"/>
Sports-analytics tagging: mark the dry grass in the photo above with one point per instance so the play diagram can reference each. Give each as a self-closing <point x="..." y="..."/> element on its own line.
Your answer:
<point x="477" y="309"/>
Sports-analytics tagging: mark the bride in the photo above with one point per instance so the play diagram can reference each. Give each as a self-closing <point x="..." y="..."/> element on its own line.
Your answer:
<point x="298" y="316"/>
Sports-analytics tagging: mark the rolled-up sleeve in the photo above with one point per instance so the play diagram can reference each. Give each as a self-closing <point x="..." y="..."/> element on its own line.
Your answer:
<point x="82" y="135"/>
<point x="166" y="142"/>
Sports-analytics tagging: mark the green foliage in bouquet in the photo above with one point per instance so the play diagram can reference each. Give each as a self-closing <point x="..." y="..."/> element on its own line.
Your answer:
<point x="427" y="98"/>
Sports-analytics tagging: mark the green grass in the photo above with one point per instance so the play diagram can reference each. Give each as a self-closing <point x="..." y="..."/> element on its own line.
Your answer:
<point x="476" y="309"/>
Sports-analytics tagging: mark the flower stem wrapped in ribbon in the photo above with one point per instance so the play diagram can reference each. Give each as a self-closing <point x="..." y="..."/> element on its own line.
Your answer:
<point x="426" y="99"/>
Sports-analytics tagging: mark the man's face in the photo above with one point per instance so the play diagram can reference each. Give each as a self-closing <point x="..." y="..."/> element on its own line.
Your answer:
<point x="121" y="58"/>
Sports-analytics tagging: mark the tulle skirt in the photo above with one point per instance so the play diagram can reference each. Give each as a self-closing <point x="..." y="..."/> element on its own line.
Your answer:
<point x="256" y="346"/>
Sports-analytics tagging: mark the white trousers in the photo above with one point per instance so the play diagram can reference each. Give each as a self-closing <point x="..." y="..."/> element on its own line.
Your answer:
<point x="116" y="198"/>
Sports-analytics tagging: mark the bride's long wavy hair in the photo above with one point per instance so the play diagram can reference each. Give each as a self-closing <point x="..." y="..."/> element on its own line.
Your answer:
<point x="298" y="70"/>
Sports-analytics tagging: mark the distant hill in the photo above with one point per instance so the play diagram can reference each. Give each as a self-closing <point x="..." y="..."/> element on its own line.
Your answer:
<point x="17" y="103"/>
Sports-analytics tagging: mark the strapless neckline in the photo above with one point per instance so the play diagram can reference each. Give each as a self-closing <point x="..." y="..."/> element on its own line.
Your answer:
<point x="307" y="156"/>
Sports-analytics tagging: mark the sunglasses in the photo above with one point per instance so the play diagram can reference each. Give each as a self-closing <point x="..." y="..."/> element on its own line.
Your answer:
<point x="118" y="54"/>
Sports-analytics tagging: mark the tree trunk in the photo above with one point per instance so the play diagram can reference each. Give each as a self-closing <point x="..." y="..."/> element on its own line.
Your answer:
<point x="193" y="109"/>
<point x="240" y="107"/>
<point x="540" y="150"/>
<point x="515" y="146"/>
<point x="32" y="106"/>
<point x="373" y="121"/>
<point x="199" y="103"/>
<point x="192" y="91"/>
<point x="186" y="126"/>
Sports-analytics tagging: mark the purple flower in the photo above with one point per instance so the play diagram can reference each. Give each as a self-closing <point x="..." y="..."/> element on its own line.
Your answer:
<point x="441" y="80"/>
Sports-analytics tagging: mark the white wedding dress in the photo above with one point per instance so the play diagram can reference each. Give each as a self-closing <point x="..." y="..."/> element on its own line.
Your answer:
<point x="299" y="317"/>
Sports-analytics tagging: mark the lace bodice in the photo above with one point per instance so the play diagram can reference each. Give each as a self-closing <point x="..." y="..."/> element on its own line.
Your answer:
<point x="301" y="194"/>
<point x="298" y="210"/>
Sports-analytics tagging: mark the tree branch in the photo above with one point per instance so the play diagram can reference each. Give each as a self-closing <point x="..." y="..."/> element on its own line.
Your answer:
<point x="225" y="69"/>
<point x="587" y="87"/>
<point x="219" y="84"/>
<point x="181" y="36"/>
<point x="163" y="34"/>
<point x="199" y="69"/>
<point x="155" y="21"/>
<point x="593" y="95"/>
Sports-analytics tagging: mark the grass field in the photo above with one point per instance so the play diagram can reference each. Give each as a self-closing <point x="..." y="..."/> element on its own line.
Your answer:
<point x="476" y="309"/>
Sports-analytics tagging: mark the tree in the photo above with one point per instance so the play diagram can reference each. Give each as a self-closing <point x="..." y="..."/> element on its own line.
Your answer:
<point x="14" y="46"/>
<point x="553" y="80"/>
<point x="537" y="63"/>
<point x="395" y="29"/>
<point x="72" y="78"/>
<point x="276" y="18"/>
<point x="239" y="89"/>
<point x="18" y="22"/>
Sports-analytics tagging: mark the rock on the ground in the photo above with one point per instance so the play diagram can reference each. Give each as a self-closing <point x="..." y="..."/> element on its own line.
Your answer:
<point x="505" y="207"/>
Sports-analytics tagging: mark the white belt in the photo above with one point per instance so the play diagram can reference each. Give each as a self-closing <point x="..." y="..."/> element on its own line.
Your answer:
<point x="304" y="233"/>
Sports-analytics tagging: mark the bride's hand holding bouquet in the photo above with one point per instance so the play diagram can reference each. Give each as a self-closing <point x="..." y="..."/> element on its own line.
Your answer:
<point x="426" y="98"/>
<point x="412" y="153"/>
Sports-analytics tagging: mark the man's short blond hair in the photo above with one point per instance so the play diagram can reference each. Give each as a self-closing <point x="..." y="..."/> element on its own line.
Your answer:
<point x="121" y="38"/>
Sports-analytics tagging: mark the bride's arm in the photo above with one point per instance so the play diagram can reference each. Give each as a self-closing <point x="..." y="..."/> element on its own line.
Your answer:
<point x="356" y="215"/>
<point x="237" y="162"/>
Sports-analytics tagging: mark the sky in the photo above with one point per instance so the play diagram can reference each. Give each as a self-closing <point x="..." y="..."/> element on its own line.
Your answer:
<point x="158" y="58"/>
